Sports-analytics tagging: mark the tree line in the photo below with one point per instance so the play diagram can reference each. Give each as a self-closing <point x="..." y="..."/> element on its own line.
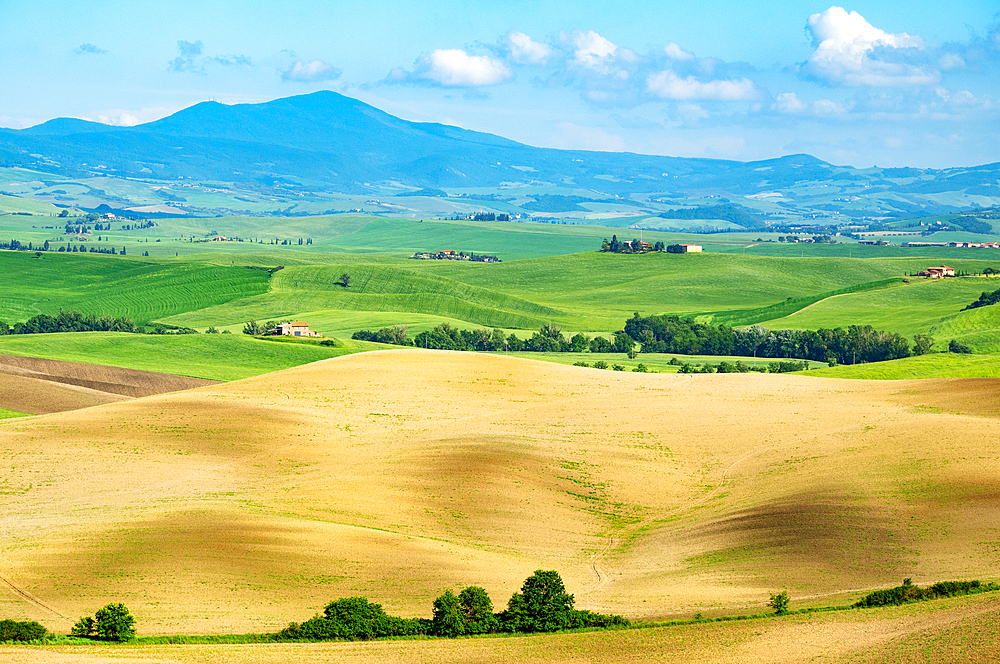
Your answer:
<point x="855" y="345"/>
<point x="548" y="339"/>
<point x="69" y="321"/>
<point x="542" y="605"/>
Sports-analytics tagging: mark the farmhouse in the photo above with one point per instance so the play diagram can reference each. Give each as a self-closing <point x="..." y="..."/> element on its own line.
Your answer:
<point x="295" y="329"/>
<point x="937" y="272"/>
<point x="690" y="248"/>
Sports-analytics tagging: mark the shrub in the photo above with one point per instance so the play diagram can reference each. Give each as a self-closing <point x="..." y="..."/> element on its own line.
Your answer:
<point x="83" y="628"/>
<point x="600" y="364"/>
<point x="580" y="364"/>
<point x="11" y="630"/>
<point x="780" y="603"/>
<point x="958" y="347"/>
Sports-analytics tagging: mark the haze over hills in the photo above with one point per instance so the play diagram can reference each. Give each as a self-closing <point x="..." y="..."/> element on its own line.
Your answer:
<point x="325" y="143"/>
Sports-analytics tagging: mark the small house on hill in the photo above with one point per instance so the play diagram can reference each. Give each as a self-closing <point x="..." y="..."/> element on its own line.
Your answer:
<point x="937" y="272"/>
<point x="691" y="248"/>
<point x="295" y="329"/>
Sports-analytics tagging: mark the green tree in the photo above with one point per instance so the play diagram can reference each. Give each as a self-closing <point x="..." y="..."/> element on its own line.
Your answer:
<point x="84" y="627"/>
<point x="114" y="623"/>
<point x="448" y="619"/>
<point x="345" y="280"/>
<point x="922" y="344"/>
<point x="543" y="605"/>
<point x="477" y="610"/>
<point x="780" y="603"/>
<point x="579" y="343"/>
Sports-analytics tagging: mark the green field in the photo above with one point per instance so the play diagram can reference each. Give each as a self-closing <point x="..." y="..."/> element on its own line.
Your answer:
<point x="933" y="365"/>
<point x="142" y="290"/>
<point x="210" y="356"/>
<point x="551" y="274"/>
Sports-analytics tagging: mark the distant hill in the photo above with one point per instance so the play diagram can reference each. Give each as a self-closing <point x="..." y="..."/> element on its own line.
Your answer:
<point x="326" y="142"/>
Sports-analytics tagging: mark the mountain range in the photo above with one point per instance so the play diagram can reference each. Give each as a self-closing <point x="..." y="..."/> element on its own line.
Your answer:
<point x="327" y="142"/>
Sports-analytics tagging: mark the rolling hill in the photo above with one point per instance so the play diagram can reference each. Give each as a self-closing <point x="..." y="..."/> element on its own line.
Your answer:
<point x="396" y="475"/>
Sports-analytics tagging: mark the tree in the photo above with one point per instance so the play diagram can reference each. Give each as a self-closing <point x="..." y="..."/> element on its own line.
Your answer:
<point x="448" y="619"/>
<point x="114" y="623"/>
<point x="543" y="605"/>
<point x="345" y="280"/>
<point x="477" y="610"/>
<point x="922" y="344"/>
<point x="83" y="628"/>
<point x="780" y="603"/>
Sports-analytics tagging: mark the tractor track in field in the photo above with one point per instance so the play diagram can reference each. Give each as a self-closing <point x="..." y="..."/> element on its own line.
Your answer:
<point x="28" y="597"/>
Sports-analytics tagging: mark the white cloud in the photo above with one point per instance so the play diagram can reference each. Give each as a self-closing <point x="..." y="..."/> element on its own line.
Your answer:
<point x="788" y="102"/>
<point x="456" y="68"/>
<point x="827" y="107"/>
<point x="667" y="85"/>
<point x="675" y="52"/>
<point x="314" y="70"/>
<point x="951" y="61"/>
<point x="525" y="51"/>
<point x="592" y="50"/>
<point x="851" y="51"/>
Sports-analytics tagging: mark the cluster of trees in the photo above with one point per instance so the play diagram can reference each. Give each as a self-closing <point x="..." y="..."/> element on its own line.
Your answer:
<point x="542" y="605"/>
<point x="17" y="245"/>
<point x="910" y="593"/>
<point x="490" y="216"/>
<point x="684" y="336"/>
<point x="14" y="631"/>
<point x="69" y="321"/>
<point x="985" y="300"/>
<point x="112" y="623"/>
<point x="616" y="246"/>
<point x="94" y="250"/>
<point x="548" y="339"/>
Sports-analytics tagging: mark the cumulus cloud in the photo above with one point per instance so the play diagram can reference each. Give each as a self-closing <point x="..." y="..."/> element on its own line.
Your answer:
<point x="89" y="48"/>
<point x="850" y="51"/>
<point x="591" y="50"/>
<point x="314" y="70"/>
<point x="232" y="60"/>
<point x="668" y="85"/>
<point x="788" y="102"/>
<point x="454" y="67"/>
<point x="188" y="52"/>
<point x="675" y="52"/>
<point x="525" y="51"/>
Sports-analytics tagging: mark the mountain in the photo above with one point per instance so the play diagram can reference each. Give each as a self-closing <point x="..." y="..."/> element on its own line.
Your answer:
<point x="327" y="142"/>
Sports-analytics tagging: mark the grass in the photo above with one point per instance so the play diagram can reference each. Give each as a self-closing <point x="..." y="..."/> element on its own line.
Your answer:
<point x="7" y="414"/>
<point x="922" y="306"/>
<point x="142" y="290"/>
<point x="211" y="356"/>
<point x="933" y="365"/>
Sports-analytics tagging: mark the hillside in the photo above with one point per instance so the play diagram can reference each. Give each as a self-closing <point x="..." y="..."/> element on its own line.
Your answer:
<point x="312" y="153"/>
<point x="395" y="475"/>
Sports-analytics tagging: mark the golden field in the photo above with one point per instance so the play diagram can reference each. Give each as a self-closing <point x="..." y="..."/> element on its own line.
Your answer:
<point x="240" y="507"/>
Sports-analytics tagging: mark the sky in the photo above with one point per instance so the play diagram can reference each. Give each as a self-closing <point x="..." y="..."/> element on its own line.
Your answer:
<point x="878" y="82"/>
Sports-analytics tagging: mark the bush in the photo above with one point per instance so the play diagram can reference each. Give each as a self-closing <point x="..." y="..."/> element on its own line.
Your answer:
<point x="11" y="630"/>
<point x="780" y="603"/>
<point x="958" y="347"/>
<point x="600" y="364"/>
<point x="910" y="593"/>
<point x="83" y="628"/>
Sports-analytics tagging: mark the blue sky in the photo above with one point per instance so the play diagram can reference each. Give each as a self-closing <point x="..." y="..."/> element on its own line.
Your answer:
<point x="871" y="83"/>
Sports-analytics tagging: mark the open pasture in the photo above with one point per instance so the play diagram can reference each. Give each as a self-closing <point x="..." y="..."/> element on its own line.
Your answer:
<point x="142" y="290"/>
<point x="395" y="475"/>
